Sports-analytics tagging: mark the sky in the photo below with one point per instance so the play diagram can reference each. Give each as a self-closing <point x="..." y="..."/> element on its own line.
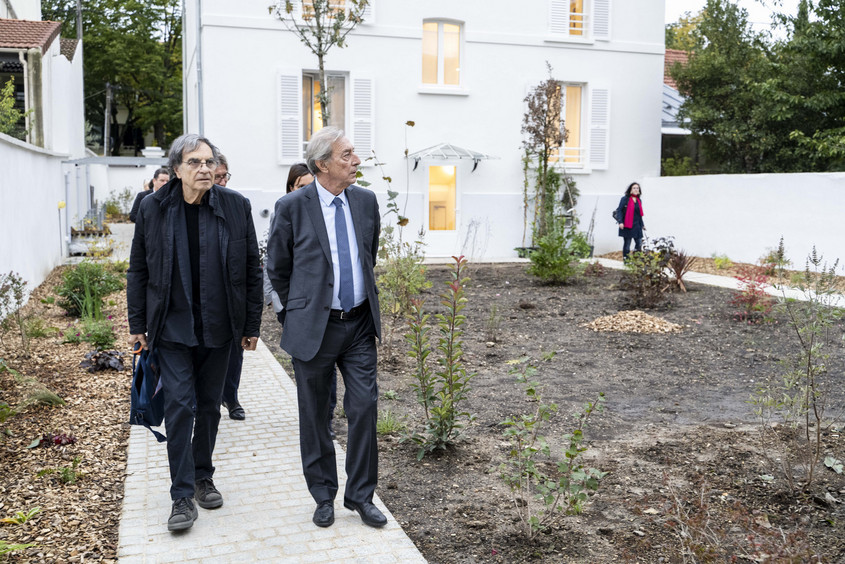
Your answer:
<point x="759" y="12"/>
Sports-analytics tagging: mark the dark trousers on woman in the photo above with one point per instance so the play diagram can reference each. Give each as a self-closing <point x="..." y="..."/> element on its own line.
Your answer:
<point x="351" y="345"/>
<point x="626" y="245"/>
<point x="188" y="373"/>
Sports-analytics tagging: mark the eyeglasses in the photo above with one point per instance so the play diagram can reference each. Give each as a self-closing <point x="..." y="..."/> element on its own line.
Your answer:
<point x="218" y="177"/>
<point x="195" y="164"/>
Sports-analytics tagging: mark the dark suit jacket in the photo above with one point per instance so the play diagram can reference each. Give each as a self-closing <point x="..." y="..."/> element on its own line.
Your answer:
<point x="299" y="263"/>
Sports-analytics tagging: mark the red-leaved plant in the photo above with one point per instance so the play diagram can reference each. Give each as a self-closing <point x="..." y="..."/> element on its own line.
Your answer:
<point x="752" y="302"/>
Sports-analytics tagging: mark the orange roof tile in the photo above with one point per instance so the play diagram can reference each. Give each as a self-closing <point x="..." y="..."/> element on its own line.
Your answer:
<point x="673" y="56"/>
<point x="25" y="34"/>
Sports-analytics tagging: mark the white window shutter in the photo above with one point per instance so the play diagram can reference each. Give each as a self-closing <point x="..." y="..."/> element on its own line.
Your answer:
<point x="599" y="127"/>
<point x="601" y="20"/>
<point x="296" y="13"/>
<point x="559" y="17"/>
<point x="290" y="116"/>
<point x="363" y="115"/>
<point x="369" y="12"/>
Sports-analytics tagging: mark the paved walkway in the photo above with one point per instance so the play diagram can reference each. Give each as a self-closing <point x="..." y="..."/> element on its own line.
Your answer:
<point x="266" y="515"/>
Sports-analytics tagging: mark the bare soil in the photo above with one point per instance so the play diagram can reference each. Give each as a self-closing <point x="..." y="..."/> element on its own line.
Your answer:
<point x="677" y="435"/>
<point x="677" y="438"/>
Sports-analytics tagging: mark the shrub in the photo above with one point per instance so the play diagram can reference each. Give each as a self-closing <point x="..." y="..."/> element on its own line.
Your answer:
<point x="680" y="166"/>
<point x="99" y="333"/>
<point x="119" y="203"/>
<point x="645" y="276"/>
<point x="579" y="245"/>
<point x="595" y="270"/>
<point x="752" y="302"/>
<point x="722" y="262"/>
<point x="680" y="263"/>
<point x="443" y="391"/>
<point x="36" y="328"/>
<point x="388" y="423"/>
<point x="541" y="498"/>
<point x="84" y="287"/>
<point x="554" y="261"/>
<point x="12" y="299"/>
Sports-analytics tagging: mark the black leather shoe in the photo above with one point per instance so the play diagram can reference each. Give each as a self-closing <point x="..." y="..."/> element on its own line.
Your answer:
<point x="324" y="514"/>
<point x="235" y="411"/>
<point x="369" y="513"/>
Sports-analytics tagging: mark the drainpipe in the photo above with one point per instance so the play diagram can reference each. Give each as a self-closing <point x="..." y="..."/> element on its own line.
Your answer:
<point x="201" y="120"/>
<point x="25" y="93"/>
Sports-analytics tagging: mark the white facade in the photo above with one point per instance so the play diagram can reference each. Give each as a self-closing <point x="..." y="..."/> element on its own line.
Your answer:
<point x="250" y="99"/>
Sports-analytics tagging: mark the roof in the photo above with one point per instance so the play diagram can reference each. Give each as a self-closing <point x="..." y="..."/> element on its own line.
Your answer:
<point x="671" y="57"/>
<point x="25" y="34"/>
<point x="69" y="48"/>
<point x="672" y="101"/>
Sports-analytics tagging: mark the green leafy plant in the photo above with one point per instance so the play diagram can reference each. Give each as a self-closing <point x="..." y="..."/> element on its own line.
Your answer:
<point x="84" y="287"/>
<point x="554" y="261"/>
<point x="645" y="278"/>
<point x="443" y="391"/>
<point x="7" y="548"/>
<point x="12" y="298"/>
<point x="36" y="328"/>
<point x="390" y="395"/>
<point x="67" y="474"/>
<point x="21" y="517"/>
<point x="722" y="262"/>
<point x="99" y="333"/>
<point x="579" y="245"/>
<point x="539" y="497"/>
<point x="791" y="407"/>
<point x="388" y="423"/>
<point x="11" y="117"/>
<point x="119" y="203"/>
<point x="34" y="391"/>
<point x="677" y="166"/>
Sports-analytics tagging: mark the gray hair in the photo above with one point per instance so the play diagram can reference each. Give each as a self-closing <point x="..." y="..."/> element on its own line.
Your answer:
<point x="185" y="144"/>
<point x="320" y="147"/>
<point x="222" y="160"/>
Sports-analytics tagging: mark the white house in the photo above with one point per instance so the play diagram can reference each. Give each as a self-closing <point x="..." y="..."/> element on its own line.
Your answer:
<point x="460" y="70"/>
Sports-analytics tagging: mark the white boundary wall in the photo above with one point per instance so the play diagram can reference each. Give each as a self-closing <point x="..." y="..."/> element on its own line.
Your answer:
<point x="32" y="228"/>
<point x="741" y="216"/>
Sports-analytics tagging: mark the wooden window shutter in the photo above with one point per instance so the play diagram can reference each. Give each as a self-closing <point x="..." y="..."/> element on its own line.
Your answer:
<point x="290" y="116"/>
<point x="599" y="127"/>
<point x="363" y="115"/>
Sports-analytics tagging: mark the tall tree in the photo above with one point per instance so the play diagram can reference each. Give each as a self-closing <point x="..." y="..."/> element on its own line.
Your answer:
<point x="682" y="34"/>
<point x="320" y="25"/>
<point x="134" y="47"/>
<point x="720" y="83"/>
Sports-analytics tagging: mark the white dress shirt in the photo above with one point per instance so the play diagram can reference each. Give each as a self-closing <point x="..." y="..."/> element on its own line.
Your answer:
<point x="326" y="199"/>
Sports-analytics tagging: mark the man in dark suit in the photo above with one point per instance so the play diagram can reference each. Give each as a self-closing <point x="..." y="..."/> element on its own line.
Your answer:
<point x="193" y="287"/>
<point x="320" y="256"/>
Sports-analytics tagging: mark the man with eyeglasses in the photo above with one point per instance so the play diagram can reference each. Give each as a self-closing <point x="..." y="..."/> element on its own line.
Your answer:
<point x="193" y="286"/>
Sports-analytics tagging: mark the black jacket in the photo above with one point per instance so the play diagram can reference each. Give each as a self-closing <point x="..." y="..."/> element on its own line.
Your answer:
<point x="151" y="261"/>
<point x="136" y="205"/>
<point x="636" y="231"/>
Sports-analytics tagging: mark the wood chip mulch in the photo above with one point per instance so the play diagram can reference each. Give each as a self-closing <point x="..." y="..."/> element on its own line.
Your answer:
<point x="78" y="521"/>
<point x="633" y="321"/>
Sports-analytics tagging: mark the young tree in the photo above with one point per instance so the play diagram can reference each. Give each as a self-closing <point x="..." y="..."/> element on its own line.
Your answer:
<point x="681" y="34"/>
<point x="544" y="132"/>
<point x="320" y="25"/>
<point x="10" y="116"/>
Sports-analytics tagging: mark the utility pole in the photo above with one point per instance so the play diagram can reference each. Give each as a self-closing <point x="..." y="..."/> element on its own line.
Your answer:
<point x="79" y="20"/>
<point x="107" y="126"/>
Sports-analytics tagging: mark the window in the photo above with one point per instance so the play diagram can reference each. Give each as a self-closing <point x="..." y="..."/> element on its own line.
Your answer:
<point x="441" y="53"/>
<point x="351" y="107"/>
<point x="570" y="111"/>
<point x="441" y="198"/>
<point x="305" y="9"/>
<point x="579" y="19"/>
<point x="312" y="115"/>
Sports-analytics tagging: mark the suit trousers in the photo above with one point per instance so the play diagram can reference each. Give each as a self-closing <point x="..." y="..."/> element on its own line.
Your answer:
<point x="351" y="345"/>
<point x="233" y="374"/>
<point x="188" y="373"/>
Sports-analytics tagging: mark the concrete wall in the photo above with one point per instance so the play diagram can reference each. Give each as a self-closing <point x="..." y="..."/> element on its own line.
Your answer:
<point x="32" y="227"/>
<point x="741" y="216"/>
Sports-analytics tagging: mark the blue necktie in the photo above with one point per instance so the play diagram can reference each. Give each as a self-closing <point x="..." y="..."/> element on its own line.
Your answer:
<point x="344" y="258"/>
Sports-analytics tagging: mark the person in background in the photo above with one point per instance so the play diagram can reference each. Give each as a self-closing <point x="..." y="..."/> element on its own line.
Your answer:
<point x="193" y="286"/>
<point x="160" y="178"/>
<point x="320" y="259"/>
<point x="236" y="356"/>
<point x="630" y="217"/>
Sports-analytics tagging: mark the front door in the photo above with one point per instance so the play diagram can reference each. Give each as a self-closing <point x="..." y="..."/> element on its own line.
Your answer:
<point x="442" y="213"/>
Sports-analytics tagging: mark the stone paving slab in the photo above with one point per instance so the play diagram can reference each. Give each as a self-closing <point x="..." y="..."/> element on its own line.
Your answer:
<point x="266" y="515"/>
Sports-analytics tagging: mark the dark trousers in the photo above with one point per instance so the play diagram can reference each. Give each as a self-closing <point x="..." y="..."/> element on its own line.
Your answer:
<point x="626" y="245"/>
<point x="186" y="373"/>
<point x="233" y="374"/>
<point x="351" y="346"/>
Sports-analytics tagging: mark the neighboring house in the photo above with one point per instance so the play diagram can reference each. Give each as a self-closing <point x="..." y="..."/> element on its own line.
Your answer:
<point x="460" y="71"/>
<point x="48" y="80"/>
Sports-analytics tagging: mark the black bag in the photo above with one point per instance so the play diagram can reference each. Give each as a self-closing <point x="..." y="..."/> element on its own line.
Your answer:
<point x="616" y="219"/>
<point x="147" y="401"/>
